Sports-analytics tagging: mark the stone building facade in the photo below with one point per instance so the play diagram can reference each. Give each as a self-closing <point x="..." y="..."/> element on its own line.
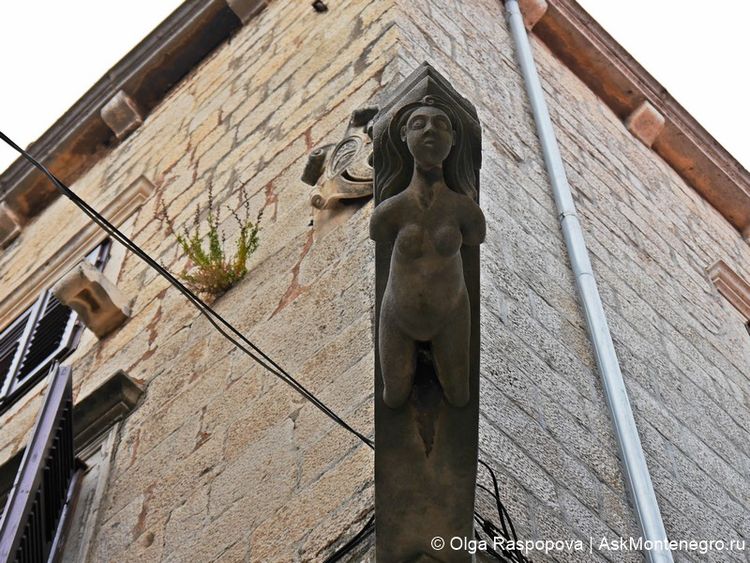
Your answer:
<point x="205" y="456"/>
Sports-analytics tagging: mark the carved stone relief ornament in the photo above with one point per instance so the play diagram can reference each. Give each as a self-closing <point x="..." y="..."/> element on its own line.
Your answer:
<point x="427" y="226"/>
<point x="341" y="173"/>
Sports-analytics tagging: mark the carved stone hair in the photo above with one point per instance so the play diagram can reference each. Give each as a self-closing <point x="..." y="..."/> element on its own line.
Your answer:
<point x="398" y="163"/>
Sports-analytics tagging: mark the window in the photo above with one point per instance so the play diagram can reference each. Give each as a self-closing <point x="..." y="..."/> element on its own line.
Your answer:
<point x="45" y="332"/>
<point x="34" y="520"/>
<point x="81" y="456"/>
<point x="735" y="289"/>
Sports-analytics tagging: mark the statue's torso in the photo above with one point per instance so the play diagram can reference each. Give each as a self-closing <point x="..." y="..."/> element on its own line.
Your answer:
<point x="426" y="284"/>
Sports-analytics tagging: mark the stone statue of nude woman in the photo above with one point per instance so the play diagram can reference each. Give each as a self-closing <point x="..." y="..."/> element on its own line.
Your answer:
<point x="428" y="210"/>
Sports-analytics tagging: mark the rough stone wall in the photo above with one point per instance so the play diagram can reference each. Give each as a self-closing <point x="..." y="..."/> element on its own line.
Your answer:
<point x="221" y="462"/>
<point x="684" y="351"/>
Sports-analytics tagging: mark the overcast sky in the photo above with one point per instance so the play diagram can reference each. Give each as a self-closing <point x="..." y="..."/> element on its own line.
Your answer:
<point x="52" y="51"/>
<point x="698" y="51"/>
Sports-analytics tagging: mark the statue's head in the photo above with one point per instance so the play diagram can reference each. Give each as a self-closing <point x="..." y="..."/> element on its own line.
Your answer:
<point x="429" y="133"/>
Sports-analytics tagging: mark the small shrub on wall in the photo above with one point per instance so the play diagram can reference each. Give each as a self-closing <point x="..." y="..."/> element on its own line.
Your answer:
<point x="211" y="269"/>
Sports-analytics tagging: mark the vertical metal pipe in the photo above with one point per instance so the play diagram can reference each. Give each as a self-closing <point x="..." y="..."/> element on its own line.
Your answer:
<point x="636" y="470"/>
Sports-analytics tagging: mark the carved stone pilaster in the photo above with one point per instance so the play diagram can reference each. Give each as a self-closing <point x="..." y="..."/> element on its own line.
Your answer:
<point x="100" y="305"/>
<point x="427" y="225"/>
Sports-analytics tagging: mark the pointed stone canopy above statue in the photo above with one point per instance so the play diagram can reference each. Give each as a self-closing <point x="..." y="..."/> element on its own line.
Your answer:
<point x="427" y="225"/>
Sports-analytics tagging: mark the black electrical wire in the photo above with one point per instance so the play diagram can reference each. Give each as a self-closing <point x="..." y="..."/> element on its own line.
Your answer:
<point x="218" y="322"/>
<point x="508" y="532"/>
<point x="501" y="511"/>
<point x="345" y="549"/>
<point x="244" y="344"/>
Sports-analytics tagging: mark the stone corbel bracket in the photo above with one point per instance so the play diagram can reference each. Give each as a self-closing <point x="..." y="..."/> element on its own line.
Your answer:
<point x="98" y="302"/>
<point x="731" y="286"/>
<point x="10" y="225"/>
<point x="532" y="11"/>
<point x="645" y="123"/>
<point x="122" y="115"/>
<point x="246" y="10"/>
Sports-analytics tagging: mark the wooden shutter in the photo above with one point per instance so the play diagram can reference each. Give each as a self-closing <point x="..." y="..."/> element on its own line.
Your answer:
<point x="10" y="341"/>
<point x="51" y="338"/>
<point x="31" y="528"/>
<point x="48" y="331"/>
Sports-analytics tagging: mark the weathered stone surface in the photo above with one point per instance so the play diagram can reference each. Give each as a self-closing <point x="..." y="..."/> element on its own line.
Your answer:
<point x="99" y="303"/>
<point x="219" y="455"/>
<point x="121" y="114"/>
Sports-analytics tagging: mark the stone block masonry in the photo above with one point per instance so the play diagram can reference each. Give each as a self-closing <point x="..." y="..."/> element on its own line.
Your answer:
<point x="222" y="462"/>
<point x="684" y="352"/>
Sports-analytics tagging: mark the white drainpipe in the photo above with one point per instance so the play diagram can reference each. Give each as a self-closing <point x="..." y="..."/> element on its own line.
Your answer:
<point x="636" y="470"/>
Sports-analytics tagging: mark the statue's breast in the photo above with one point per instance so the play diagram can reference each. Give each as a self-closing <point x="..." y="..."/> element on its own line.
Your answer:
<point x="447" y="240"/>
<point x="416" y="240"/>
<point x="410" y="241"/>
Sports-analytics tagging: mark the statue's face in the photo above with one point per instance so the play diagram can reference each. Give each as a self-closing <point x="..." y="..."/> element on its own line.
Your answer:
<point x="429" y="135"/>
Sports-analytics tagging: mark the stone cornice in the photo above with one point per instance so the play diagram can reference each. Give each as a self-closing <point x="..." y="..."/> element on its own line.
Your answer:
<point x="111" y="401"/>
<point x="80" y="137"/>
<point x="624" y="85"/>
<point x="71" y="251"/>
<point x="146" y="74"/>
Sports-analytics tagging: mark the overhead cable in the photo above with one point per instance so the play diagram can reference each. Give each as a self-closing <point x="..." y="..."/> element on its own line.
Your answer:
<point x="234" y="336"/>
<point x="216" y="320"/>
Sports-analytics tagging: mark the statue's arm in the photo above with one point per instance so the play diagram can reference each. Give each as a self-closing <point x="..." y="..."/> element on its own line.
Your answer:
<point x="383" y="227"/>
<point x="474" y="226"/>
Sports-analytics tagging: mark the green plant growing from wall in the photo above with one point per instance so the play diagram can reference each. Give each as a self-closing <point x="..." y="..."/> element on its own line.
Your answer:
<point x="212" y="271"/>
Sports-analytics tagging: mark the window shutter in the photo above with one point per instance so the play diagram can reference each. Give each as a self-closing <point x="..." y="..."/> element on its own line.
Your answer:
<point x="51" y="338"/>
<point x="37" y="506"/>
<point x="10" y="342"/>
<point x="46" y="332"/>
